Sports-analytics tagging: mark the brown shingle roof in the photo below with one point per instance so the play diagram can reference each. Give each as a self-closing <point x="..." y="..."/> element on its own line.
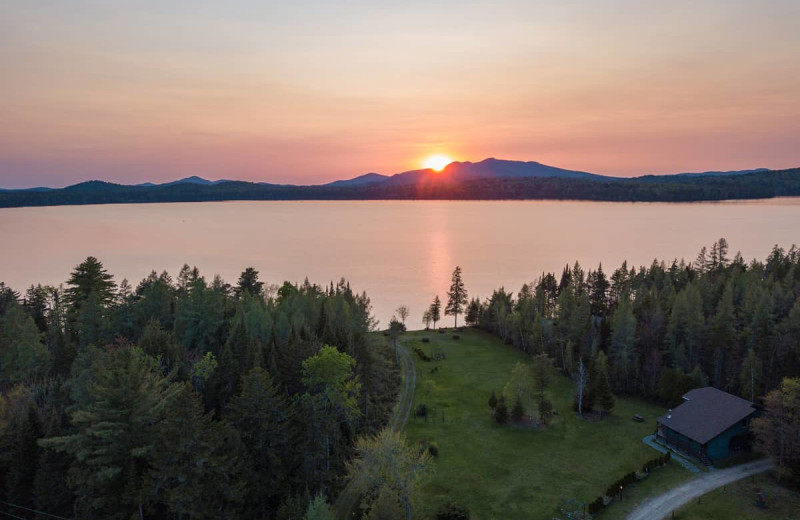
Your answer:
<point x="706" y="413"/>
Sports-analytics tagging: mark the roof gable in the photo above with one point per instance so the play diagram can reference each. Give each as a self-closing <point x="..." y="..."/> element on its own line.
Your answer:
<point x="706" y="413"/>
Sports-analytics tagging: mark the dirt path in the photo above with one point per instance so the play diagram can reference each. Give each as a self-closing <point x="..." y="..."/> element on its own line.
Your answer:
<point x="662" y="505"/>
<point x="347" y="498"/>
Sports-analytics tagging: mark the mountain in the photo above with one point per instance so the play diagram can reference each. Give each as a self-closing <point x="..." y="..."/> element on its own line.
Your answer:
<point x="194" y="179"/>
<point x="490" y="179"/>
<point x="489" y="169"/>
<point x="367" y="178"/>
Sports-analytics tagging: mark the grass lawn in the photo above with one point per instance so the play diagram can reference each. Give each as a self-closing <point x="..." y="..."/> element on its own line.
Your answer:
<point x="508" y="472"/>
<point x="737" y="501"/>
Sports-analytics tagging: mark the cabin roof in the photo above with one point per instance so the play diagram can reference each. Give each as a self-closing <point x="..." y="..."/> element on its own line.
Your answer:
<point x="706" y="413"/>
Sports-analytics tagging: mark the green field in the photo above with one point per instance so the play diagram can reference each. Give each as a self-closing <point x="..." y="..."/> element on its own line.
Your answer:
<point x="509" y="472"/>
<point x="737" y="501"/>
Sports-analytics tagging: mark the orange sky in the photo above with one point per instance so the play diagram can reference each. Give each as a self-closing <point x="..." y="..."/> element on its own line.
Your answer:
<point x="309" y="91"/>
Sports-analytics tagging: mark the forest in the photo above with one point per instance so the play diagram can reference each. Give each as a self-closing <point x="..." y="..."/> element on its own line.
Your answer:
<point x="184" y="398"/>
<point x="658" y="331"/>
<point x="663" y="328"/>
<point x="190" y="398"/>
<point x="665" y="188"/>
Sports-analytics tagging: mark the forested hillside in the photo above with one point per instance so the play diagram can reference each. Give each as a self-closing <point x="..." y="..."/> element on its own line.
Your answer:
<point x="664" y="328"/>
<point x="184" y="398"/>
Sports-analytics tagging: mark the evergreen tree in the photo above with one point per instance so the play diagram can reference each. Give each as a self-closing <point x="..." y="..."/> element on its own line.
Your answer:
<point x="88" y="277"/>
<point x="22" y="354"/>
<point x="602" y="389"/>
<point x="260" y="414"/>
<point x="456" y="296"/>
<point x="436" y="310"/>
<point x="623" y="352"/>
<point x="248" y="283"/>
<point x="196" y="463"/>
<point x="114" y="433"/>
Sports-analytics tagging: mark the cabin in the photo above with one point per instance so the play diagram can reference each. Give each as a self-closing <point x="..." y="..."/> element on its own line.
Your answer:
<point x="710" y="424"/>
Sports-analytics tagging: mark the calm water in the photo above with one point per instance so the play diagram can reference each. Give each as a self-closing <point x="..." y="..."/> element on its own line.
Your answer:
<point x="399" y="252"/>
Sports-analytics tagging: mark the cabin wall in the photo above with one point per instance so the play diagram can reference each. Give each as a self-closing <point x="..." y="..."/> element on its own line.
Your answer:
<point x="719" y="447"/>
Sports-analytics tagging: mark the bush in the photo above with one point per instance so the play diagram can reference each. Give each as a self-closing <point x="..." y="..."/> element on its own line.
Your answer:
<point x="433" y="449"/>
<point x="426" y="340"/>
<point x="456" y="336"/>
<point x="421" y="353"/>
<point x="518" y="411"/>
<point x="501" y="412"/>
<point x="452" y="511"/>
<point x="421" y="411"/>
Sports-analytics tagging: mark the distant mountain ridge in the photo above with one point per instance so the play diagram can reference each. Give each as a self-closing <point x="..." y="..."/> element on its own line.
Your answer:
<point x="491" y="179"/>
<point x="490" y="168"/>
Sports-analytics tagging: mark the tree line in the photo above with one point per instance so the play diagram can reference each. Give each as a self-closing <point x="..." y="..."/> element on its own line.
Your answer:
<point x="658" y="331"/>
<point x="664" y="328"/>
<point x="185" y="398"/>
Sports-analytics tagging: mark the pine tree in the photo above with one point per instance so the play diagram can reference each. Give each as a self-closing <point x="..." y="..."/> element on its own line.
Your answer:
<point x="436" y="310"/>
<point x="114" y="433"/>
<point x="260" y="414"/>
<point x="196" y="463"/>
<point x="456" y="296"/>
<point x="602" y="388"/>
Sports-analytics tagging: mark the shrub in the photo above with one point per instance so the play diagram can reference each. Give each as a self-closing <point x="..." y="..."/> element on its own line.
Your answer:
<point x="442" y="331"/>
<point x="501" y="412"/>
<point x="433" y="449"/>
<point x="493" y="401"/>
<point x="452" y="511"/>
<point x="422" y="410"/>
<point x="518" y="411"/>
<point x="456" y="336"/>
<point x="426" y="339"/>
<point x="421" y="353"/>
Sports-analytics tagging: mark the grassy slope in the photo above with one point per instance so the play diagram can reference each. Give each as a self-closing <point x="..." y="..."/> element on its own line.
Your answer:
<point x="505" y="472"/>
<point x="736" y="501"/>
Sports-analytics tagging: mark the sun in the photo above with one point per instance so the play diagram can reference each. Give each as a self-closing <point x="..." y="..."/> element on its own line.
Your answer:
<point x="437" y="162"/>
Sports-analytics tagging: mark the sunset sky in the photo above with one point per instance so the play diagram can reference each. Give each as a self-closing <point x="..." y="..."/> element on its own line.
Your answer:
<point x="311" y="91"/>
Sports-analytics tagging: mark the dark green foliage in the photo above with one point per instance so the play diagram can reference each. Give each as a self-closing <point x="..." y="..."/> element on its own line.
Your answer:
<point x="518" y="412"/>
<point x="493" y="401"/>
<point x="435" y="310"/>
<point x="426" y="340"/>
<point x="596" y="506"/>
<point x="422" y="355"/>
<point x="456" y="336"/>
<point x="456" y="296"/>
<point x="196" y="463"/>
<point x="664" y="328"/>
<point x="473" y="315"/>
<point x="261" y="416"/>
<point x="501" y="412"/>
<point x="195" y="420"/>
<point x="452" y="511"/>
<point x="433" y="449"/>
<point x="421" y="410"/>
<point x="248" y="283"/>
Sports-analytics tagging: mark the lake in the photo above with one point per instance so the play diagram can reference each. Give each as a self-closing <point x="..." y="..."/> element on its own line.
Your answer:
<point x="399" y="252"/>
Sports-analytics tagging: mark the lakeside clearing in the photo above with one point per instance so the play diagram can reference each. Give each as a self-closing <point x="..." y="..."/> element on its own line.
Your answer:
<point x="513" y="472"/>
